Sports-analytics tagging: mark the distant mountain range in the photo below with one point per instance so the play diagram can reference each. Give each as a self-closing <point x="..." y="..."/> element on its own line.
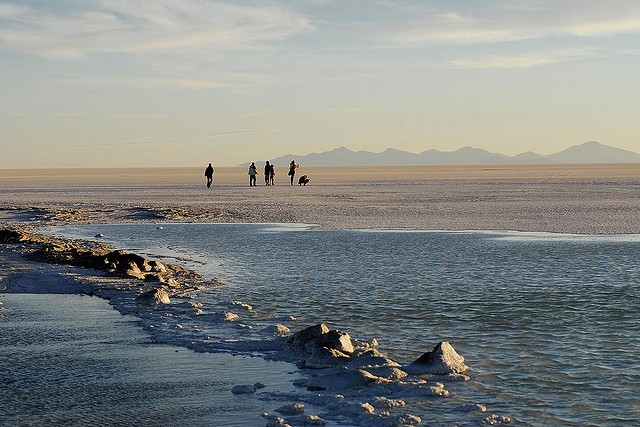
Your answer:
<point x="589" y="152"/>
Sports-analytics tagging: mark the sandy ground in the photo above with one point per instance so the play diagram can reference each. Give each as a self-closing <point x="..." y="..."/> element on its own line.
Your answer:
<point x="589" y="199"/>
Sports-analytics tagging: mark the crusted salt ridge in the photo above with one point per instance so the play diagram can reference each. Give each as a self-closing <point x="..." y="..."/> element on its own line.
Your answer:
<point x="342" y="377"/>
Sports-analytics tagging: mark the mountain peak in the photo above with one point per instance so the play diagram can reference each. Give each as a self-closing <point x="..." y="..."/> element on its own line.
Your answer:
<point x="587" y="152"/>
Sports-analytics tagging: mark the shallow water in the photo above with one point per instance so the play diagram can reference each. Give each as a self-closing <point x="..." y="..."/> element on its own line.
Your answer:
<point x="72" y="360"/>
<point x="547" y="323"/>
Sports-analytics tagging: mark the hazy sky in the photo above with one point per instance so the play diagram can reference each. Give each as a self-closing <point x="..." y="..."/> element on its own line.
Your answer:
<point x="119" y="83"/>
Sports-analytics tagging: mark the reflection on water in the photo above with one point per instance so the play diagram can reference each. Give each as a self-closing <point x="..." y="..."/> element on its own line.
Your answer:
<point x="547" y="325"/>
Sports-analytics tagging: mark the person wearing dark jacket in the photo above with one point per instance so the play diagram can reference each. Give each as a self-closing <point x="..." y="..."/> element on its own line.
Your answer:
<point x="208" y="172"/>
<point x="292" y="170"/>
<point x="267" y="172"/>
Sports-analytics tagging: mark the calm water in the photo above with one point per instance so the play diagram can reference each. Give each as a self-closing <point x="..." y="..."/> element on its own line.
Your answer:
<point x="548" y="324"/>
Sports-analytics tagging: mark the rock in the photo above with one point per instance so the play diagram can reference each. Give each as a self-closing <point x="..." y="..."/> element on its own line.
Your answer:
<point x="278" y="422"/>
<point x="13" y="236"/>
<point x="277" y="329"/>
<point x="348" y="378"/>
<point x="388" y="372"/>
<point x="313" y="420"/>
<point x="301" y="338"/>
<point x="230" y="317"/>
<point x="473" y="407"/>
<point x="259" y="385"/>
<point x="319" y="335"/>
<point x="153" y="297"/>
<point x="243" y="305"/>
<point x="495" y="419"/>
<point x="323" y="357"/>
<point x="135" y="273"/>
<point x="436" y="390"/>
<point x="371" y="358"/>
<point x="381" y="402"/>
<point x="157" y="267"/>
<point x="292" y="409"/>
<point x="335" y="339"/>
<point x="442" y="360"/>
<point x="244" y="389"/>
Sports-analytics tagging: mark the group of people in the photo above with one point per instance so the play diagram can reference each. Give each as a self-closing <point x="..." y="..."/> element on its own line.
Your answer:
<point x="269" y="174"/>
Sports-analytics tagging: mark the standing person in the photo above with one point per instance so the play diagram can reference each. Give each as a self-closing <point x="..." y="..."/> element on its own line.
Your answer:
<point x="292" y="170"/>
<point x="267" y="172"/>
<point x="208" y="172"/>
<point x="252" y="174"/>
<point x="272" y="175"/>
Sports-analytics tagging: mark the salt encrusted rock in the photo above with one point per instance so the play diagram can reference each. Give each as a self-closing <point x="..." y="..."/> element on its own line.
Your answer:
<point x="292" y="409"/>
<point x="406" y="420"/>
<point x="301" y="338"/>
<point x="244" y="389"/>
<point x="323" y="357"/>
<point x="371" y="358"/>
<point x="388" y="372"/>
<point x="230" y="317"/>
<point x="381" y="402"/>
<point x="12" y="236"/>
<point x="278" y="422"/>
<point x="347" y="378"/>
<point x="435" y="390"/>
<point x="153" y="297"/>
<point x="312" y="420"/>
<point x="277" y="329"/>
<point x="473" y="407"/>
<point x="157" y="267"/>
<point x="442" y="360"/>
<point x="335" y="339"/>
<point x="495" y="419"/>
<point x="240" y="304"/>
<point x="319" y="335"/>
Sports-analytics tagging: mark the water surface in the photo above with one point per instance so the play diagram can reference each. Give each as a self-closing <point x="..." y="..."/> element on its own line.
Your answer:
<point x="547" y="323"/>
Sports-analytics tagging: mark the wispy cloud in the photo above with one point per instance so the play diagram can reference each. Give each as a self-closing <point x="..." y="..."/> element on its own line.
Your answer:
<point x="142" y="26"/>
<point x="518" y="20"/>
<point x="150" y="83"/>
<point x="525" y="60"/>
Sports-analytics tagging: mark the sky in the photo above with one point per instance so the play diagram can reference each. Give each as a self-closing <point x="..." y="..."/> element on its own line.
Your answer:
<point x="155" y="83"/>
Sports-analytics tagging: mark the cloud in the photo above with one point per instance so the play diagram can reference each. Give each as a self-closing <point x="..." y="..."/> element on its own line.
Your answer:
<point x="150" y="83"/>
<point x="517" y="20"/>
<point x="526" y="60"/>
<point x="142" y="26"/>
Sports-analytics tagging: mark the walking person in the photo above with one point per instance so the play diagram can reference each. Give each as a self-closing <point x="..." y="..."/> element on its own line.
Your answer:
<point x="272" y="175"/>
<point x="267" y="172"/>
<point x="292" y="170"/>
<point x="252" y="174"/>
<point x="208" y="172"/>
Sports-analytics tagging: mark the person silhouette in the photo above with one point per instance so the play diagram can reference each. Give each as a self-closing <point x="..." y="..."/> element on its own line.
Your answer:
<point x="267" y="172"/>
<point x="292" y="170"/>
<point x="208" y="172"/>
<point x="304" y="180"/>
<point x="272" y="175"/>
<point x="252" y="174"/>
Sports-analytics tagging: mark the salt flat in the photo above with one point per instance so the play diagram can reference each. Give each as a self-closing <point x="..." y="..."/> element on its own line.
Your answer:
<point x="590" y="199"/>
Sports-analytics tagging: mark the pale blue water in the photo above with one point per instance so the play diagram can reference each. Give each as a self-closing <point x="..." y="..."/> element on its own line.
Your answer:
<point x="548" y="324"/>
